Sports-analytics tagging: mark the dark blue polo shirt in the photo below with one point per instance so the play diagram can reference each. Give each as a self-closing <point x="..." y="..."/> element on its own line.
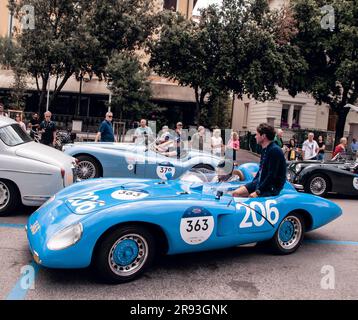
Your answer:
<point x="271" y="176"/>
<point x="106" y="131"/>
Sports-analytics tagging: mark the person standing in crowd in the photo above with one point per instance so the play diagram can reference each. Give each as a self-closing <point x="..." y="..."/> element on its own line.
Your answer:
<point x="143" y="133"/>
<point x="341" y="148"/>
<point x="179" y="138"/>
<point x="278" y="138"/>
<point x="105" y="132"/>
<point x="199" y="140"/>
<point x="34" y="125"/>
<point x="234" y="144"/>
<point x="217" y="144"/>
<point x="322" y="148"/>
<point x="2" y="112"/>
<point x="292" y="150"/>
<point x="354" y="145"/>
<point x="19" y="121"/>
<point x="48" y="130"/>
<point x="271" y="177"/>
<point x="310" y="148"/>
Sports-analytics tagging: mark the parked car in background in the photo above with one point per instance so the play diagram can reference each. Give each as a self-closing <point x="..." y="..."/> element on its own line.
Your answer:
<point x="30" y="172"/>
<point x="339" y="175"/>
<point x="129" y="160"/>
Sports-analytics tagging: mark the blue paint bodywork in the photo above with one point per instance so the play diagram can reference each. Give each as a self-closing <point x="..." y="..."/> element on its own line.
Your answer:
<point x="166" y="204"/>
<point x="129" y="160"/>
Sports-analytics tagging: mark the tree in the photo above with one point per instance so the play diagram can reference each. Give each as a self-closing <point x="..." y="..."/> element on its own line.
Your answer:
<point x="78" y="36"/>
<point x="330" y="53"/>
<point x="235" y="47"/>
<point x="129" y="84"/>
<point x="10" y="58"/>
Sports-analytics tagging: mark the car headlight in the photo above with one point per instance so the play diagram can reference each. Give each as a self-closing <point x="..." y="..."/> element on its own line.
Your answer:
<point x="298" y="168"/>
<point x="66" y="237"/>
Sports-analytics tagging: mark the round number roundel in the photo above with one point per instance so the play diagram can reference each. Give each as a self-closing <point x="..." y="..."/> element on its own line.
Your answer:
<point x="355" y="183"/>
<point x="196" y="225"/>
<point x="128" y="195"/>
<point x="165" y="171"/>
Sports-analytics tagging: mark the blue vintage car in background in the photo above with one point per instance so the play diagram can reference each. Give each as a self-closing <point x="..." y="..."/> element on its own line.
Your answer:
<point x="129" y="160"/>
<point x="119" y="225"/>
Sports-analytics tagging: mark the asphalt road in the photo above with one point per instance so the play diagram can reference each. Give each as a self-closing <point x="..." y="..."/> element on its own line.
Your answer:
<point x="237" y="273"/>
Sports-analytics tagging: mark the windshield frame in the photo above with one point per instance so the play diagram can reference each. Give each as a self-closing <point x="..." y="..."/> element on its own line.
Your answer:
<point x="18" y="132"/>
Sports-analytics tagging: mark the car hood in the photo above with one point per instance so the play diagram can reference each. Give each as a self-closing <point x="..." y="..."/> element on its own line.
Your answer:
<point x="42" y="153"/>
<point x="107" y="193"/>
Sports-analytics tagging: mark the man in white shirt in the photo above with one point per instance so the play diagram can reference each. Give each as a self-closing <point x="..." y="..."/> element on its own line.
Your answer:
<point x="310" y="148"/>
<point x="143" y="133"/>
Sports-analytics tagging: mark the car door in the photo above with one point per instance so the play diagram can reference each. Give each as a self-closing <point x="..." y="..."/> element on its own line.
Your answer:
<point x="258" y="215"/>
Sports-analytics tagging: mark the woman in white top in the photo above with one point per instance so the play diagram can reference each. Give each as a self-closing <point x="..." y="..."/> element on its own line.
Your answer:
<point x="217" y="143"/>
<point x="18" y="120"/>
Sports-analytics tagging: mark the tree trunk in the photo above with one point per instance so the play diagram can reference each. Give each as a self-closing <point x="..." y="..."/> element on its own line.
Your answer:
<point x="340" y="124"/>
<point x="43" y="93"/>
<point x="197" y="109"/>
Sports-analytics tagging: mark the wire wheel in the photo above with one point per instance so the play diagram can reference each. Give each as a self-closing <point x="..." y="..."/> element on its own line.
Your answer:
<point x="318" y="185"/>
<point x="4" y="195"/>
<point x="86" y="170"/>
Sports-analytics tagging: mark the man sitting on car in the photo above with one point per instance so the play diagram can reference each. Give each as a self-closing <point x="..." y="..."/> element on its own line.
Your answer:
<point x="271" y="177"/>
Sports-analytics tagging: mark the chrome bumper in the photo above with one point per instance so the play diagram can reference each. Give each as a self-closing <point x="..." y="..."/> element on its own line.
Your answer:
<point x="298" y="186"/>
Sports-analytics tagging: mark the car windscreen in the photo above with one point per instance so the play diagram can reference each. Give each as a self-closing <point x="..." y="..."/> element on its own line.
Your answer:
<point x="13" y="135"/>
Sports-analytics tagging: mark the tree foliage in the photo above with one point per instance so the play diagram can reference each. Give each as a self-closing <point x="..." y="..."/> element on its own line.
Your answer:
<point x="240" y="46"/>
<point x="331" y="55"/>
<point x="78" y="36"/>
<point x="129" y="84"/>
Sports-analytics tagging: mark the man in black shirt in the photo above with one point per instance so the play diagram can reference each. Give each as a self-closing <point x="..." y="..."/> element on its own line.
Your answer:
<point x="34" y="125"/>
<point x="271" y="176"/>
<point x="48" y="129"/>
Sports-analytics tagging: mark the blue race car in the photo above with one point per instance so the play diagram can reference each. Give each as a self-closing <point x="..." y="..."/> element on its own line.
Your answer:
<point x="129" y="160"/>
<point x="119" y="225"/>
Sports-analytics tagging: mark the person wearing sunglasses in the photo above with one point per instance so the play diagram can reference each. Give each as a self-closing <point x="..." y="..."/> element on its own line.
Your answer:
<point x="48" y="130"/>
<point x="105" y="132"/>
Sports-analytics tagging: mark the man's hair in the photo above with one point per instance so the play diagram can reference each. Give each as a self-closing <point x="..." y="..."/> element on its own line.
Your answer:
<point x="265" y="128"/>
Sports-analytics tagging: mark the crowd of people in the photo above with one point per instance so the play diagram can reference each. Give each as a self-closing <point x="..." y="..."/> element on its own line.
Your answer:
<point x="170" y="142"/>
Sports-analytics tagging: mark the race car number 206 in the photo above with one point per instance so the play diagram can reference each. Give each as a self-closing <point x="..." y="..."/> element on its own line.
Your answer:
<point x="267" y="210"/>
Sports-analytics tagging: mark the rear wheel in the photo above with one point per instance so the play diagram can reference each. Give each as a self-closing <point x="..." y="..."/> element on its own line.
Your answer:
<point x="124" y="254"/>
<point x="318" y="184"/>
<point x="289" y="235"/>
<point x="88" y="168"/>
<point x="9" y="197"/>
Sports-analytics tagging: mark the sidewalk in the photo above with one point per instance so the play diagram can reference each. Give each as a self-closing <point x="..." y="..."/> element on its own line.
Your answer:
<point x="244" y="156"/>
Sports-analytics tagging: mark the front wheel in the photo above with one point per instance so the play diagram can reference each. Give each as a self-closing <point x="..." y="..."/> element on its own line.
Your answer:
<point x="124" y="254"/>
<point x="87" y="168"/>
<point x="9" y="197"/>
<point x="318" y="185"/>
<point x="289" y="235"/>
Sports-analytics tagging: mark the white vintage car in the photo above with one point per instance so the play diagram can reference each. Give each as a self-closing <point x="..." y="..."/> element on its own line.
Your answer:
<point x="30" y="173"/>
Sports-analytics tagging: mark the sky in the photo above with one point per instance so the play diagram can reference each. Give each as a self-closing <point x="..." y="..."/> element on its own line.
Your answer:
<point x="202" y="4"/>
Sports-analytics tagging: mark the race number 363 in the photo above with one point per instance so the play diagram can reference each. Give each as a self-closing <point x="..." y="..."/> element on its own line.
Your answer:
<point x="196" y="230"/>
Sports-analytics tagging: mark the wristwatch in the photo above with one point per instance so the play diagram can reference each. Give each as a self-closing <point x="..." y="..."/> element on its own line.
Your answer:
<point x="258" y="192"/>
